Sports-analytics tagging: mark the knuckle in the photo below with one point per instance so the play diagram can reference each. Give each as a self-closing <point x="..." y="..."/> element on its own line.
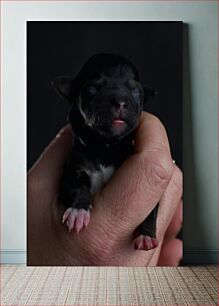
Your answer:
<point x="162" y="169"/>
<point x="177" y="179"/>
<point x="159" y="167"/>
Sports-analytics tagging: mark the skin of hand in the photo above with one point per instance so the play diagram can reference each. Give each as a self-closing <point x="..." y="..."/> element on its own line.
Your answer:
<point x="144" y="179"/>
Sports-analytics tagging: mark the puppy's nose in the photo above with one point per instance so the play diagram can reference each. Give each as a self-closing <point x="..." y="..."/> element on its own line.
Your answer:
<point x="120" y="106"/>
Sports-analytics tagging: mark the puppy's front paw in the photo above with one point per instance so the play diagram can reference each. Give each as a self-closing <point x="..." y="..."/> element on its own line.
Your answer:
<point x="76" y="219"/>
<point x="146" y="243"/>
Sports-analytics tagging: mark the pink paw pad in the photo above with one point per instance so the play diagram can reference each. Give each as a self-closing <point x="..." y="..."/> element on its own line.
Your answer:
<point x="146" y="243"/>
<point x="76" y="219"/>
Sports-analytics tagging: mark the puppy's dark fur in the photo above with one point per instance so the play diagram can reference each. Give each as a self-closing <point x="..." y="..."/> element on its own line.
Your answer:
<point x="106" y="99"/>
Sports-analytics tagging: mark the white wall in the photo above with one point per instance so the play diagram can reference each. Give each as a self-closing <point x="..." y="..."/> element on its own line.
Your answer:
<point x="200" y="108"/>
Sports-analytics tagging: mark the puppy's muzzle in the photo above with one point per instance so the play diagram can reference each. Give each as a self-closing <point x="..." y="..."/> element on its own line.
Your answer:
<point x="120" y="106"/>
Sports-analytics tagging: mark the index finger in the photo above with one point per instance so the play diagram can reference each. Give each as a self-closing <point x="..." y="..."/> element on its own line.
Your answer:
<point x="140" y="181"/>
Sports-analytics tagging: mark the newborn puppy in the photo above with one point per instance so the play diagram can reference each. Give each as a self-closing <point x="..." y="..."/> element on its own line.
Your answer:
<point x="106" y="103"/>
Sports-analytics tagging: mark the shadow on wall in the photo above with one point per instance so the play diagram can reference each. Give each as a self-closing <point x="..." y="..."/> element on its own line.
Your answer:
<point x="191" y="209"/>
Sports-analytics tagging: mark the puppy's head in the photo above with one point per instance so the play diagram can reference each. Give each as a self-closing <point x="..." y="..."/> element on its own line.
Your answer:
<point x="107" y="94"/>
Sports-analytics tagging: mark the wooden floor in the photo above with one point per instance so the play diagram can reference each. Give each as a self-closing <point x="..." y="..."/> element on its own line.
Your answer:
<point x="23" y="285"/>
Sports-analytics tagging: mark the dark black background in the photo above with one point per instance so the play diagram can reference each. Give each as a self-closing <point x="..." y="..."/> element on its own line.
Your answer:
<point x="61" y="48"/>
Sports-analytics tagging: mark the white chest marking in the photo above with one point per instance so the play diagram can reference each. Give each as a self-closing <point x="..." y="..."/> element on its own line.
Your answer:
<point x="100" y="177"/>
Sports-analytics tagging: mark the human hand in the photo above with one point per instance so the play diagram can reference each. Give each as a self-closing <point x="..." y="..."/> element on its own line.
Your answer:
<point x="143" y="180"/>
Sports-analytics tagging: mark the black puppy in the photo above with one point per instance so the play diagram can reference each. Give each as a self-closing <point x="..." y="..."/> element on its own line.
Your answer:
<point x="107" y="100"/>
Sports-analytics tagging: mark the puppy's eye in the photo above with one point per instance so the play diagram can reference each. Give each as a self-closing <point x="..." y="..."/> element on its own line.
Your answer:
<point x="132" y="84"/>
<point x="135" y="91"/>
<point x="91" y="90"/>
<point x="136" y="94"/>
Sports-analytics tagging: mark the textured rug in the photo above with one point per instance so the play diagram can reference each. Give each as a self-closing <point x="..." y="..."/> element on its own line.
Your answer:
<point x="21" y="285"/>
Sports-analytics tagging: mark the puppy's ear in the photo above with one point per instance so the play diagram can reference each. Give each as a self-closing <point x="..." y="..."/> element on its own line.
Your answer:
<point x="64" y="87"/>
<point x="149" y="93"/>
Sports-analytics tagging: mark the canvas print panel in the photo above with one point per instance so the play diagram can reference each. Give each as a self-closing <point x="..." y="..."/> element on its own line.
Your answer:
<point x="106" y="190"/>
